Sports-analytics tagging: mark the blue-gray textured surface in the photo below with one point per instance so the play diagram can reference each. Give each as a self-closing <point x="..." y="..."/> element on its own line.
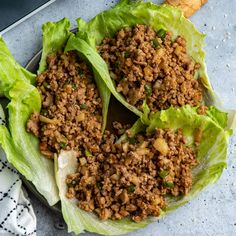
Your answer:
<point x="213" y="212"/>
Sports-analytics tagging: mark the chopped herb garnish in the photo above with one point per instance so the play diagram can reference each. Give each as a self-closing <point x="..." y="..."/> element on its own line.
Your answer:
<point x="46" y="85"/>
<point x="81" y="72"/>
<point x="168" y="184"/>
<point x="161" y="33"/>
<point x="99" y="184"/>
<point x="44" y="112"/>
<point x="67" y="82"/>
<point x="74" y="86"/>
<point x="126" y="54"/>
<point x="57" y="97"/>
<point x="62" y="145"/>
<point x="132" y="140"/>
<point x="71" y="184"/>
<point x="87" y="153"/>
<point x="148" y="89"/>
<point x="117" y="64"/>
<point x="83" y="106"/>
<point x="163" y="173"/>
<point x="43" y="128"/>
<point x="131" y="189"/>
<point x="155" y="43"/>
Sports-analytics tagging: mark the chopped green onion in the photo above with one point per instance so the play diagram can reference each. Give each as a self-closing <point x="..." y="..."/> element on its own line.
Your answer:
<point x="163" y="173"/>
<point x="87" y="153"/>
<point x="43" y="128"/>
<point x="57" y="98"/>
<point x="132" y="140"/>
<point x="83" y="106"/>
<point x="131" y="189"/>
<point x="99" y="184"/>
<point x="44" y="112"/>
<point x="168" y="184"/>
<point x="71" y="184"/>
<point x="74" y="86"/>
<point x="46" y="85"/>
<point x="81" y="72"/>
<point x="155" y="43"/>
<point x="148" y="89"/>
<point x="126" y="54"/>
<point x="161" y="33"/>
<point x="67" y="82"/>
<point x="62" y="145"/>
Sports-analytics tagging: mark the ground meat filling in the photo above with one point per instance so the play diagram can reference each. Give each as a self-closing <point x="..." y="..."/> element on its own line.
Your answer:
<point x="148" y="65"/>
<point x="132" y="178"/>
<point x="71" y="114"/>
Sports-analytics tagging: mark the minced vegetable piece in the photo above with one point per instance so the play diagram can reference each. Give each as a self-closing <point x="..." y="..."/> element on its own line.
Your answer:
<point x="71" y="114"/>
<point x="132" y="179"/>
<point x="149" y="65"/>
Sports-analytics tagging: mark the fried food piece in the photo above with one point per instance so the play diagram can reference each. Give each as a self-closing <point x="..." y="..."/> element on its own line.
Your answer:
<point x="189" y="7"/>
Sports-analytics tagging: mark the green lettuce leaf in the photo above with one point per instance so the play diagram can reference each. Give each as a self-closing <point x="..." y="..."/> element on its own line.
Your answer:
<point x="130" y="13"/>
<point x="55" y="36"/>
<point x="212" y="151"/>
<point x="88" y="54"/>
<point x="10" y="70"/>
<point x="15" y="83"/>
<point x="79" y="220"/>
<point x="211" y="154"/>
<point x="22" y="148"/>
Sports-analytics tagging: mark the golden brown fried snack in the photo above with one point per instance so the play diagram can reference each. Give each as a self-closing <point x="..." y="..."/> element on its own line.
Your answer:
<point x="189" y="7"/>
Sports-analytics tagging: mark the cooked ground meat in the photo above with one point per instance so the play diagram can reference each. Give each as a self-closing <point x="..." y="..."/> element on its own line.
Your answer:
<point x="132" y="178"/>
<point x="71" y="114"/>
<point x="148" y="64"/>
<point x="112" y="180"/>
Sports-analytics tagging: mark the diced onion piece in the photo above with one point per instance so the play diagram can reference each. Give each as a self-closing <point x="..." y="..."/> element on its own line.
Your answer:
<point x="142" y="151"/>
<point x="80" y="117"/>
<point x="156" y="201"/>
<point x="160" y="52"/>
<point x="82" y="161"/>
<point x="47" y="120"/>
<point x="125" y="147"/>
<point x="161" y="146"/>
<point x="115" y="177"/>
<point x="147" y="71"/>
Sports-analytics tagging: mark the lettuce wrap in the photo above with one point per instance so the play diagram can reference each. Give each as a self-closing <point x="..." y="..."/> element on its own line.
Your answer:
<point x="129" y="13"/>
<point x="211" y="154"/>
<point x="21" y="147"/>
<point x="17" y="84"/>
<point x="58" y="37"/>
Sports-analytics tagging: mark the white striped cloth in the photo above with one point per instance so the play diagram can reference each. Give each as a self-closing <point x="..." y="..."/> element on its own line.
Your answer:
<point x="16" y="213"/>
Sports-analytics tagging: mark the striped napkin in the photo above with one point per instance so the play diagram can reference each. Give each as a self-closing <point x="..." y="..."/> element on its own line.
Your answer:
<point x="16" y="213"/>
